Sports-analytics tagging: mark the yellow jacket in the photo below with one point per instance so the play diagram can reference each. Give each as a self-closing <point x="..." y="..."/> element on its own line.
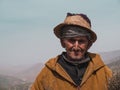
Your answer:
<point x="54" y="77"/>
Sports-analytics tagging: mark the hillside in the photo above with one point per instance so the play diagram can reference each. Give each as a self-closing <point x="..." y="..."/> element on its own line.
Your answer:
<point x="115" y="65"/>
<point x="8" y="79"/>
<point x="114" y="83"/>
<point x="11" y="83"/>
<point x="30" y="73"/>
<point x="23" y="78"/>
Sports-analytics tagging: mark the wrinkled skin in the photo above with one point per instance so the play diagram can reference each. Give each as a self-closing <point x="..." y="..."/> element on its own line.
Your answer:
<point x="76" y="47"/>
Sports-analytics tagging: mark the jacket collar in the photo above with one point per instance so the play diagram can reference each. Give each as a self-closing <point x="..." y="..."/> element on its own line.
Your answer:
<point x="54" y="66"/>
<point x="95" y="64"/>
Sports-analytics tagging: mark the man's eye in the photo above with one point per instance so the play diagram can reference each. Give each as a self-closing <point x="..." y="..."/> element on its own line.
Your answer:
<point x="82" y="41"/>
<point x="71" y="40"/>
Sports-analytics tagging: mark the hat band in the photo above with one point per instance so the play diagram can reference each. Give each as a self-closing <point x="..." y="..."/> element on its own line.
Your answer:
<point x="74" y="31"/>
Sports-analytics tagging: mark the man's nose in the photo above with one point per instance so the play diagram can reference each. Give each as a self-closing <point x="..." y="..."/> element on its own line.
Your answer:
<point x="76" y="44"/>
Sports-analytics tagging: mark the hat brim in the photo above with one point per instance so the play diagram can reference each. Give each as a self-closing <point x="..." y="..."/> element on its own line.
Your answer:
<point x="58" y="28"/>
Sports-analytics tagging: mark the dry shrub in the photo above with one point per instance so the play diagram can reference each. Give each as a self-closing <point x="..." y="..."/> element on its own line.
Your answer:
<point x="114" y="83"/>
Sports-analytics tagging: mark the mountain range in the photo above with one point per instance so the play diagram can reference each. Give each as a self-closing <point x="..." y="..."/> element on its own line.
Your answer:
<point x="31" y="72"/>
<point x="111" y="56"/>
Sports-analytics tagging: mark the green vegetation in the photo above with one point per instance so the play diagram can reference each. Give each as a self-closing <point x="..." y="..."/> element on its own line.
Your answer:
<point x="114" y="83"/>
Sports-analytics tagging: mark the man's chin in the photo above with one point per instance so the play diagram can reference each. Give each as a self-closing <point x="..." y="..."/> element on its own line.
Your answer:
<point x="76" y="58"/>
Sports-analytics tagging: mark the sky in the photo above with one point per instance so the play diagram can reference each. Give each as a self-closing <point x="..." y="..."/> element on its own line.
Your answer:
<point x="26" y="27"/>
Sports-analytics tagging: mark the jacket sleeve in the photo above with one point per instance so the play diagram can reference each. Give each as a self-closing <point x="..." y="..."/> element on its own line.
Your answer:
<point x="108" y="72"/>
<point x="36" y="86"/>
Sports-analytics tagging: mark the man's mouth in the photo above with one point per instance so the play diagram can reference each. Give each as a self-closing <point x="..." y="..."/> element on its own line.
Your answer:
<point x="76" y="50"/>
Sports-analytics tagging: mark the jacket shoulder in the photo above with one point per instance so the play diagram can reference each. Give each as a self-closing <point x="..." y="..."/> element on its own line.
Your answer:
<point x="96" y="58"/>
<point x="98" y="62"/>
<point x="94" y="54"/>
<point x="52" y="62"/>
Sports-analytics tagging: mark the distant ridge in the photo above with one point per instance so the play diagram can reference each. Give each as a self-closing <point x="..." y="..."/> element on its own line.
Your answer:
<point x="115" y="65"/>
<point x="5" y="82"/>
<point x="111" y="56"/>
<point x="30" y="73"/>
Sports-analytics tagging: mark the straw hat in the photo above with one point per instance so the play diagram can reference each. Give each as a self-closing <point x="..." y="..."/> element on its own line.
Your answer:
<point x="80" y="20"/>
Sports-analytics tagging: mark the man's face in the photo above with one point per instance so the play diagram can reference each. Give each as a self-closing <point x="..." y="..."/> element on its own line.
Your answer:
<point x="76" y="47"/>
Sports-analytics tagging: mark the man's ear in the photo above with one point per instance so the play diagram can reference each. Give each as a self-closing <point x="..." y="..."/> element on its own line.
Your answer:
<point x="62" y="43"/>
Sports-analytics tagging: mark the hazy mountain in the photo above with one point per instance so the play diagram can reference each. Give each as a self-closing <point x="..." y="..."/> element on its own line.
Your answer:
<point x="30" y="73"/>
<point x="7" y="82"/>
<point x="8" y="79"/>
<point x="115" y="66"/>
<point x="12" y="83"/>
<point x="111" y="56"/>
<point x="21" y="77"/>
<point x="13" y="69"/>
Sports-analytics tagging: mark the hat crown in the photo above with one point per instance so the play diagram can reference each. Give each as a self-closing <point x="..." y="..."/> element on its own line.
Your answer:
<point x="78" y="19"/>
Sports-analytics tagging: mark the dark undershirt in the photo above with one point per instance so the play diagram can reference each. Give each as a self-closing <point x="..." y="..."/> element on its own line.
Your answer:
<point x="75" y="69"/>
